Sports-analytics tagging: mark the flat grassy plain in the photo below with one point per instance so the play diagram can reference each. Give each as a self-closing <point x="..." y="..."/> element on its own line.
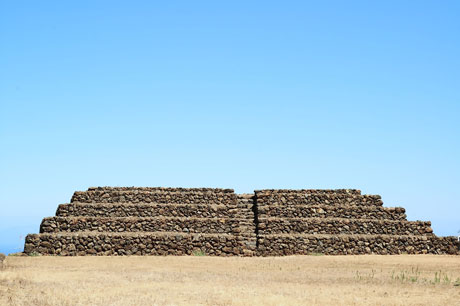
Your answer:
<point x="203" y="280"/>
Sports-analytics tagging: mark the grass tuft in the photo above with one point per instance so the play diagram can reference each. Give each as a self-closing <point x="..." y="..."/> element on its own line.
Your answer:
<point x="198" y="253"/>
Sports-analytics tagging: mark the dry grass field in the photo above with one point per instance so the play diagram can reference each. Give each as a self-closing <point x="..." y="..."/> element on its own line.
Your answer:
<point x="201" y="280"/>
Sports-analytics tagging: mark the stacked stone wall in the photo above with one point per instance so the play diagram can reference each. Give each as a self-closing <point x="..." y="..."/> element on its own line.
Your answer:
<point x="342" y="222"/>
<point x="176" y="221"/>
<point x="342" y="226"/>
<point x="167" y="189"/>
<point x="245" y="213"/>
<point x="81" y="244"/>
<point x="280" y="245"/>
<point x="307" y="191"/>
<point x="148" y="210"/>
<point x="331" y="211"/>
<point x="137" y="224"/>
<point x="302" y="198"/>
<point x="159" y="197"/>
<point x="181" y="221"/>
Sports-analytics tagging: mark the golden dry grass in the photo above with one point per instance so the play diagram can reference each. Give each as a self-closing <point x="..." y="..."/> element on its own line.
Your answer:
<point x="201" y="280"/>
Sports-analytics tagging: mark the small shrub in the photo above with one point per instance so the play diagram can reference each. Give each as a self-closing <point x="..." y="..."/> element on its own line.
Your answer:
<point x="365" y="276"/>
<point x="198" y="253"/>
<point x="412" y="276"/>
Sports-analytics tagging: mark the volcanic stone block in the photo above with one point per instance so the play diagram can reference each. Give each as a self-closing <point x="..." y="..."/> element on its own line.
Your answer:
<point x="180" y="221"/>
<point x="140" y="196"/>
<point x="308" y="191"/>
<point x="167" y="189"/>
<point x="71" y="244"/>
<point x="329" y="211"/>
<point x="147" y="210"/>
<point x="298" y="198"/>
<point x="342" y="226"/>
<point x="138" y="224"/>
<point x="286" y="244"/>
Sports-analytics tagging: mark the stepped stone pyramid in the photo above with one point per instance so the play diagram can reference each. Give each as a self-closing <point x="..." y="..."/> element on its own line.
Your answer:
<point x="148" y="221"/>
<point x="184" y="221"/>
<point x="340" y="222"/>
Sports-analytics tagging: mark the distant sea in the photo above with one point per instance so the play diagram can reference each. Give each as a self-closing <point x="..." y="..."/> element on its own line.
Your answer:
<point x="8" y="249"/>
<point x="12" y="235"/>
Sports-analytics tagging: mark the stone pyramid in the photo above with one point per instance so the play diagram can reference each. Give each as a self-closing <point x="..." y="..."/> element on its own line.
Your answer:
<point x="211" y="221"/>
<point x="340" y="222"/>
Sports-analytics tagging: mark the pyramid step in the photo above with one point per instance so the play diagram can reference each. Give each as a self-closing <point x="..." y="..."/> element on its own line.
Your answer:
<point x="169" y="189"/>
<point x="245" y="202"/>
<point x="245" y="197"/>
<point x="305" y="198"/>
<point x="308" y="191"/>
<point x="149" y="210"/>
<point x="287" y="244"/>
<point x="342" y="226"/>
<point x="140" y="224"/>
<point x="145" y="243"/>
<point x="329" y="211"/>
<point x="156" y="196"/>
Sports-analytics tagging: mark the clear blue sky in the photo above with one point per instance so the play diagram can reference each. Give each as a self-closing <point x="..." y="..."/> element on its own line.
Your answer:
<point x="242" y="94"/>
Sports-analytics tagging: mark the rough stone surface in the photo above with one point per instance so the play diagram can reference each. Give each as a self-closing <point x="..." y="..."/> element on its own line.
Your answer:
<point x="136" y="224"/>
<point x="308" y="191"/>
<point x="147" y="196"/>
<point x="174" y="189"/>
<point x="146" y="210"/>
<point x="134" y="244"/>
<point x="275" y="245"/>
<point x="218" y="222"/>
<point x="330" y="211"/>
<point x="305" y="198"/>
<point x="342" y="226"/>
